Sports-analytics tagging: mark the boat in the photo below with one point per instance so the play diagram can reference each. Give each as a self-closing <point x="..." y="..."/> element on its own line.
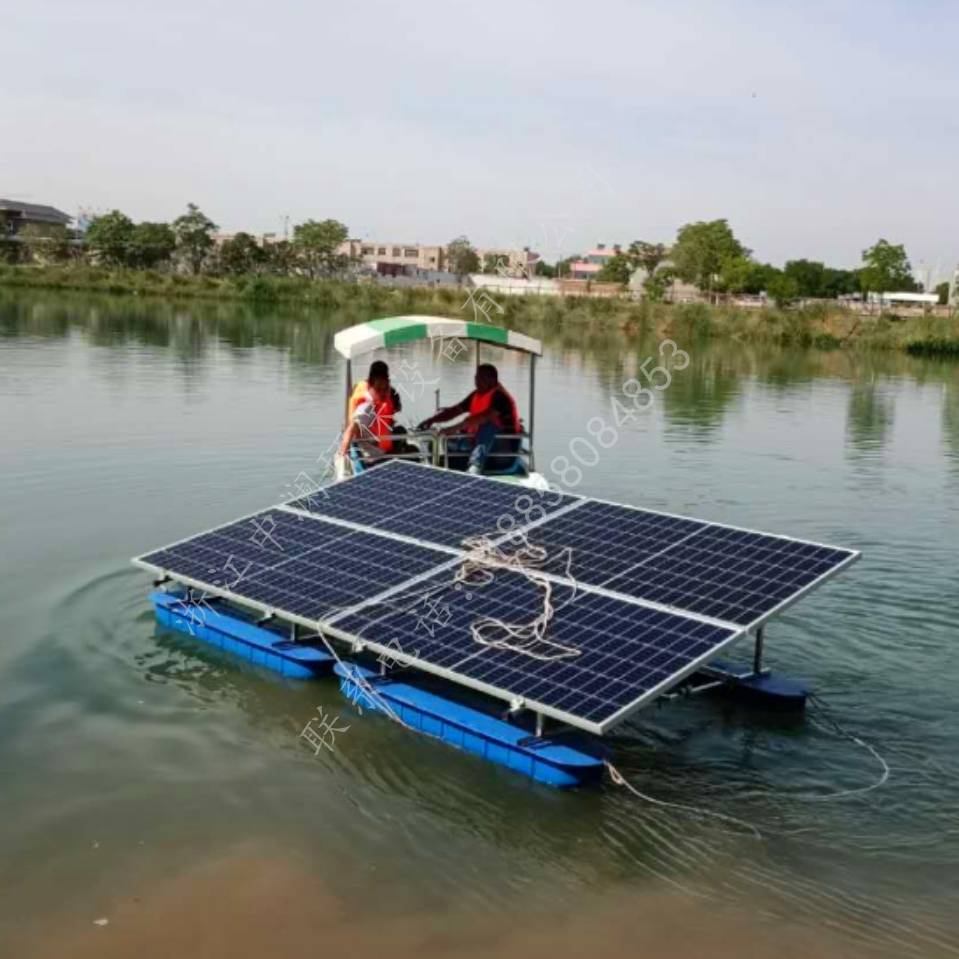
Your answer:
<point x="433" y="447"/>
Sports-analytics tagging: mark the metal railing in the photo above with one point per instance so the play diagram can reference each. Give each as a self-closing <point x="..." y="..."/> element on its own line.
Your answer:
<point x="437" y="451"/>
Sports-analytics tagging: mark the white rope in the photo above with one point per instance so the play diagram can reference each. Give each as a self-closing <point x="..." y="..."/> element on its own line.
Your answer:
<point x="482" y="557"/>
<point x="353" y="675"/>
<point x="842" y="731"/>
<point x="620" y="780"/>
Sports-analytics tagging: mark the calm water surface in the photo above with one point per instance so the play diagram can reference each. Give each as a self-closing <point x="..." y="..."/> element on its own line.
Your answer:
<point x="139" y="768"/>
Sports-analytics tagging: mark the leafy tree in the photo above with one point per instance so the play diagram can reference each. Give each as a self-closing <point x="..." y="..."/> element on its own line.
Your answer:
<point x="836" y="283"/>
<point x="759" y="276"/>
<point x="317" y="244"/>
<point x="886" y="269"/>
<point x="734" y="274"/>
<point x="546" y="270"/>
<point x="241" y="254"/>
<point x="617" y="269"/>
<point x="943" y="291"/>
<point x="783" y="289"/>
<point x="702" y="248"/>
<point x="110" y="238"/>
<point x="647" y="256"/>
<point x="462" y="256"/>
<point x="809" y="276"/>
<point x="657" y="284"/>
<point x="194" y="237"/>
<point x="489" y="262"/>
<point x="279" y="259"/>
<point x="46" y="244"/>
<point x="152" y="244"/>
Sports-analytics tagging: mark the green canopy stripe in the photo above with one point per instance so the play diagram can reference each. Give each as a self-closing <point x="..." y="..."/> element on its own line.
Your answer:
<point x="394" y="330"/>
<point x="415" y="331"/>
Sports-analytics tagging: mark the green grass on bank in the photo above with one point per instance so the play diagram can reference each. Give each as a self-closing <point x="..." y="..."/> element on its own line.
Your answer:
<point x="822" y="327"/>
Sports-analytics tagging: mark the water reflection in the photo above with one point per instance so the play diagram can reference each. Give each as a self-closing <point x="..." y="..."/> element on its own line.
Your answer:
<point x="869" y="419"/>
<point x="698" y="401"/>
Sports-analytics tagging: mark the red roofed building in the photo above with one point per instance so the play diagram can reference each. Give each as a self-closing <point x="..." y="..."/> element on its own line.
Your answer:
<point x="592" y="262"/>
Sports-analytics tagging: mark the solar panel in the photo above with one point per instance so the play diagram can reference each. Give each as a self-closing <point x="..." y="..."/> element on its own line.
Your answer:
<point x="286" y="564"/>
<point x="721" y="572"/>
<point x="651" y="598"/>
<point x="627" y="653"/>
<point x="443" y="507"/>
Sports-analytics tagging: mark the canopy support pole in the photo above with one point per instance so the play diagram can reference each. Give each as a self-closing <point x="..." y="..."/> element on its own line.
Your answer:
<point x="349" y="388"/>
<point x="532" y="410"/>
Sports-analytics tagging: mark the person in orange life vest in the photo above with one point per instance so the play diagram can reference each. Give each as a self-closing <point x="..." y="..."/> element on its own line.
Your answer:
<point x="360" y="391"/>
<point x="490" y="412"/>
<point x="371" y="419"/>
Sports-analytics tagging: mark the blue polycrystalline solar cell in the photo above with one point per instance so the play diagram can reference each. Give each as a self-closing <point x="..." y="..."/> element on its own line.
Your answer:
<point x="717" y="571"/>
<point x="626" y="651"/>
<point x="437" y="506"/>
<point x="294" y="565"/>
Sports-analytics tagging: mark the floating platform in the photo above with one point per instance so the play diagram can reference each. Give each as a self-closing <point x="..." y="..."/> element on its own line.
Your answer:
<point x="233" y="631"/>
<point x="564" y="759"/>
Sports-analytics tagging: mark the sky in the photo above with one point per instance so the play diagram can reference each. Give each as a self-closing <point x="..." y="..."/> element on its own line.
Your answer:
<point x="815" y="127"/>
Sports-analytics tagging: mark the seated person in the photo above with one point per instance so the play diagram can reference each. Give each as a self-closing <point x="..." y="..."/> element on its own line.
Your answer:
<point x="377" y="368"/>
<point x="369" y="430"/>
<point x="490" y="412"/>
<point x="381" y="421"/>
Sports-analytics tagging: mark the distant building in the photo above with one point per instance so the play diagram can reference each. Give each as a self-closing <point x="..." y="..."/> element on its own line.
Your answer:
<point x="592" y="262"/>
<point x="904" y="299"/>
<point x="15" y="215"/>
<point x="396" y="259"/>
<point x="406" y="259"/>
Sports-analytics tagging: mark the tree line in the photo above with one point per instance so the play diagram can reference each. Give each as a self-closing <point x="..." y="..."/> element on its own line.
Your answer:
<point x="708" y="255"/>
<point x="189" y="244"/>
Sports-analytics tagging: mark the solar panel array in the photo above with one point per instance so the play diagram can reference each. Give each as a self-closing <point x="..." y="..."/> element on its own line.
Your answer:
<point x="625" y="651"/>
<point x="652" y="597"/>
<point x="312" y="570"/>
<point x="720" y="572"/>
<point x="434" y="506"/>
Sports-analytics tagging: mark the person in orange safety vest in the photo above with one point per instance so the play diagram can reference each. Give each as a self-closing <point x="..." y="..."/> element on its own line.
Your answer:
<point x="381" y="422"/>
<point x="371" y="418"/>
<point x="490" y="413"/>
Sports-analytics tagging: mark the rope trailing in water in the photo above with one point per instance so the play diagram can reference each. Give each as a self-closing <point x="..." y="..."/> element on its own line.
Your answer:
<point x="620" y="780"/>
<point x="835" y="726"/>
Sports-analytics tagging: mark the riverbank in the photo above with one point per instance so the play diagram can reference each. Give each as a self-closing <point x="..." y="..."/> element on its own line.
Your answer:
<point x="823" y="327"/>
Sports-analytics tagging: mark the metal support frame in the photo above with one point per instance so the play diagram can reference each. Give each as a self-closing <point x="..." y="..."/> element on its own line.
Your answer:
<point x="294" y="632"/>
<point x="349" y="389"/>
<point x="540" y="724"/>
<point x="758" y="651"/>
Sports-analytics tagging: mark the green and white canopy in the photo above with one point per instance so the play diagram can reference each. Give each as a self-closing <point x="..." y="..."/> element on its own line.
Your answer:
<point x="393" y="330"/>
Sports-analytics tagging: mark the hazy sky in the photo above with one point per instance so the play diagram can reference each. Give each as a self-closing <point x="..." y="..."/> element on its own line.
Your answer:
<point x="814" y="127"/>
